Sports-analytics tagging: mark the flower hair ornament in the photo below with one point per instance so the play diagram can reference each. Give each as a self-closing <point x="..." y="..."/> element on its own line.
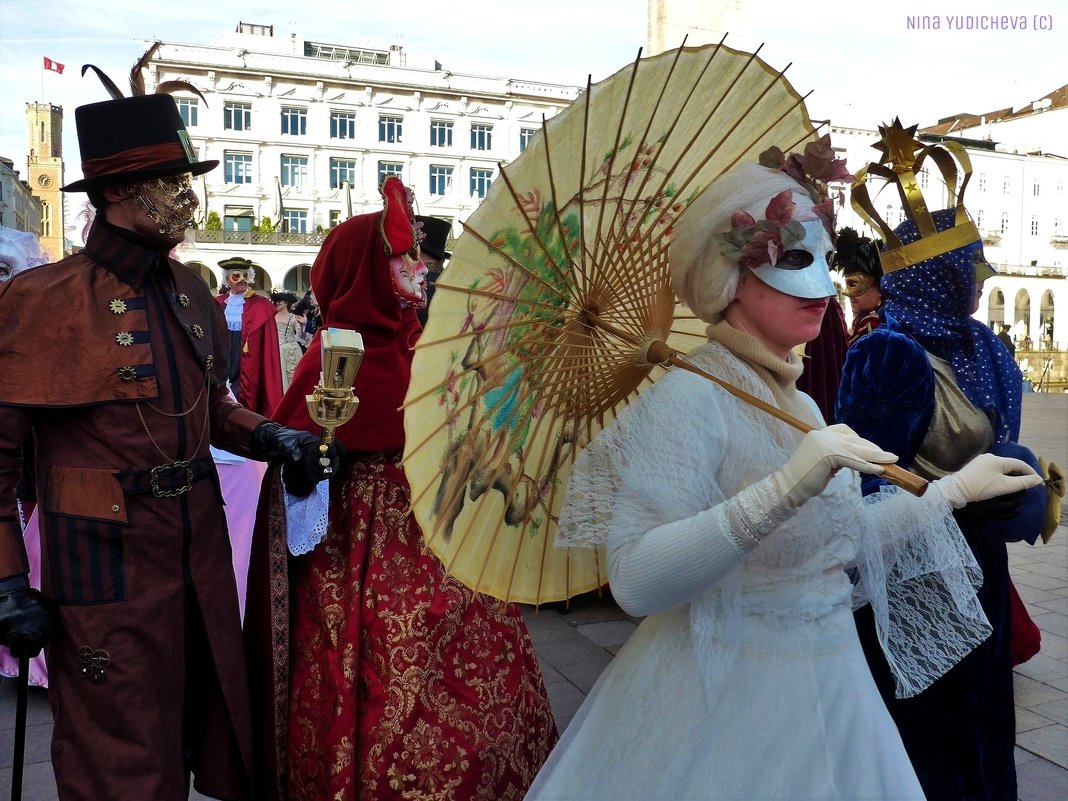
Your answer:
<point x="753" y="243"/>
<point x="814" y="169"/>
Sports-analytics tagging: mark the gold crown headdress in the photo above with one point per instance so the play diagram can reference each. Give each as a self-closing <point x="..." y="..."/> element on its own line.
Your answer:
<point x="903" y="157"/>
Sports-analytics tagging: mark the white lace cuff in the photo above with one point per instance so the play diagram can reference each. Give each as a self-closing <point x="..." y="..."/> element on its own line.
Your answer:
<point x="950" y="492"/>
<point x="306" y="518"/>
<point x="754" y="513"/>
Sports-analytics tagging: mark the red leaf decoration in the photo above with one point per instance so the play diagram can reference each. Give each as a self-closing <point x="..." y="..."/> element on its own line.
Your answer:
<point x="826" y="213"/>
<point x="794" y="168"/>
<point x="742" y="219"/>
<point x="763" y="248"/>
<point x="772" y="158"/>
<point x="781" y="208"/>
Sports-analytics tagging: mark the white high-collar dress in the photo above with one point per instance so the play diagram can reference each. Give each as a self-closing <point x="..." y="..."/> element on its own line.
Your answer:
<point x="746" y="680"/>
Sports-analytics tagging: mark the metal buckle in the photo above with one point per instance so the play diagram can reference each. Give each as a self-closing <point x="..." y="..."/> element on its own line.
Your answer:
<point x="156" y="472"/>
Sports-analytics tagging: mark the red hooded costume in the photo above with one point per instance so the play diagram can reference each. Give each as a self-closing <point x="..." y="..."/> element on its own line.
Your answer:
<point x="370" y="608"/>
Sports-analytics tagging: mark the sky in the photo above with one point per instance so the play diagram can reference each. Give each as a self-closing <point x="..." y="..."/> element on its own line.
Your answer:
<point x="863" y="60"/>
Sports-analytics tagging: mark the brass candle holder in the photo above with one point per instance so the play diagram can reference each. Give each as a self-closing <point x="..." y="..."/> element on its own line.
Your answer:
<point x="332" y="402"/>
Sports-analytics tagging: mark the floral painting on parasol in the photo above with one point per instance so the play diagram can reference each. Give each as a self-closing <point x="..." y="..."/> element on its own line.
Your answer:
<point x="557" y="306"/>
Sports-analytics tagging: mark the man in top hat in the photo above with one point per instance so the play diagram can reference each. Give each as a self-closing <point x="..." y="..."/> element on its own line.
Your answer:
<point x="123" y="397"/>
<point x="255" y="367"/>
<point x="433" y="254"/>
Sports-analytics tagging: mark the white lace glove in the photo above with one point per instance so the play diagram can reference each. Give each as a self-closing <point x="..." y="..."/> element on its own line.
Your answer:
<point x="820" y="455"/>
<point x="986" y="476"/>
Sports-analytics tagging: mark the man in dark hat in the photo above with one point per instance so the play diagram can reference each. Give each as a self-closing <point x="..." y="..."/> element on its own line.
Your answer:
<point x="255" y="366"/>
<point x="122" y="398"/>
<point x="433" y="254"/>
<point x="858" y="258"/>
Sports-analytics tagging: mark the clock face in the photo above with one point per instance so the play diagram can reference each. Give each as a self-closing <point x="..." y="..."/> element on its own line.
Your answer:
<point x="44" y="180"/>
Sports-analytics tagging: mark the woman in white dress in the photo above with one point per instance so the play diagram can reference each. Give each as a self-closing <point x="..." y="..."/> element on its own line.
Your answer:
<point x="290" y="332"/>
<point x="746" y="545"/>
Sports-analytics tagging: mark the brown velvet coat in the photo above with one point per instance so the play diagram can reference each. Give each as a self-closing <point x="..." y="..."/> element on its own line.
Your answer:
<point x="101" y="354"/>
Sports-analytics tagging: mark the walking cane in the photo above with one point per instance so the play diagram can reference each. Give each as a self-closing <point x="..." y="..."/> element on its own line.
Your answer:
<point x="22" y="693"/>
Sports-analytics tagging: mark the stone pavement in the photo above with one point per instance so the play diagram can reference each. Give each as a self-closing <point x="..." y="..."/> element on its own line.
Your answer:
<point x="575" y="644"/>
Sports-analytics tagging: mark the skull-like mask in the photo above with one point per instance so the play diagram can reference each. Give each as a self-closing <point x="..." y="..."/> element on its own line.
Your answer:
<point x="170" y="202"/>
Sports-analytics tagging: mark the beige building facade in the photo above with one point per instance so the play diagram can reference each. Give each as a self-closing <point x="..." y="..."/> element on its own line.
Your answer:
<point x="305" y="131"/>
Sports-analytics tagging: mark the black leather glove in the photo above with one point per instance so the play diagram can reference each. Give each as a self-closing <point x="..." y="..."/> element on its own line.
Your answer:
<point x="25" y="618"/>
<point x="1002" y="507"/>
<point x="299" y="450"/>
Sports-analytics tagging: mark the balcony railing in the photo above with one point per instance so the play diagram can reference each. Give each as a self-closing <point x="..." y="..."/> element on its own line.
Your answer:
<point x="204" y="236"/>
<point x="1032" y="270"/>
<point x="1059" y="240"/>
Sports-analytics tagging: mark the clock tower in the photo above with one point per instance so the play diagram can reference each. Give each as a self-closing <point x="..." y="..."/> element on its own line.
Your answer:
<point x="44" y="123"/>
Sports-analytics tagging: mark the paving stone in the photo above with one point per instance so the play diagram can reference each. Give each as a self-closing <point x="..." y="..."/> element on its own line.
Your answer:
<point x="1027" y="720"/>
<point x="549" y="674"/>
<point x="1054" y="645"/>
<point x="1040" y="780"/>
<point x="1022" y="756"/>
<point x="584" y="674"/>
<point x="546" y="626"/>
<point x="565" y="699"/>
<point x="38" y="746"/>
<point x="610" y="632"/>
<point x="1054" y="604"/>
<point x="38" y="783"/>
<point x="1031" y="578"/>
<point x="567" y="651"/>
<point x="1053" y="622"/>
<point x="1042" y="667"/>
<point x="1032" y="595"/>
<point x="1030" y="693"/>
<point x="37" y="708"/>
<point x="1049" y="742"/>
<point x="1056" y="711"/>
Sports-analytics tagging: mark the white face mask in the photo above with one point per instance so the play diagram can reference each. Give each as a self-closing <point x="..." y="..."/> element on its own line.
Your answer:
<point x="19" y="250"/>
<point x="804" y="270"/>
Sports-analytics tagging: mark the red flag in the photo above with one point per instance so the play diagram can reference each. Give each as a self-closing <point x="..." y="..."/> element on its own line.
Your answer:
<point x="55" y="66"/>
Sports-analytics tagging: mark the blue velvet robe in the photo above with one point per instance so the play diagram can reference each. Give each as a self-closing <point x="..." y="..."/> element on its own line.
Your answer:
<point x="960" y="733"/>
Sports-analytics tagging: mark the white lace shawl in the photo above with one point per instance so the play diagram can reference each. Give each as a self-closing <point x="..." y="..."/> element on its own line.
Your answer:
<point x="686" y="446"/>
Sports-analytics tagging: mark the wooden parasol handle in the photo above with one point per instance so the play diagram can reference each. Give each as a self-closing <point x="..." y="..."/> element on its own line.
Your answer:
<point x="660" y="353"/>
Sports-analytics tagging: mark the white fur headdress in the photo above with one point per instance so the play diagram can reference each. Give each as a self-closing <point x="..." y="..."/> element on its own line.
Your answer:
<point x="704" y="279"/>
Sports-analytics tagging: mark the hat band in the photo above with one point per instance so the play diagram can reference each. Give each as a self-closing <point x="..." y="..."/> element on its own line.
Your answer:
<point x="134" y="159"/>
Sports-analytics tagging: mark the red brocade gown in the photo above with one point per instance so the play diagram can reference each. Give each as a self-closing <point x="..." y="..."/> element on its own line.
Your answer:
<point x="403" y="683"/>
<point x="406" y="685"/>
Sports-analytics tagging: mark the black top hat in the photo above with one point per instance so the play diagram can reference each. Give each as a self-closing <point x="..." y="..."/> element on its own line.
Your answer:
<point x="133" y="139"/>
<point x="437" y="233"/>
<point x="857" y="254"/>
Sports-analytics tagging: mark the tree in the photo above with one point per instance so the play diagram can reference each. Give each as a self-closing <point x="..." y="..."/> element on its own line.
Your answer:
<point x="213" y="222"/>
<point x="265" y="226"/>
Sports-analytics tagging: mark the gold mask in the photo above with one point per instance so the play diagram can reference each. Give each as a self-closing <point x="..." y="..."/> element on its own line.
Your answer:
<point x="170" y="202"/>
